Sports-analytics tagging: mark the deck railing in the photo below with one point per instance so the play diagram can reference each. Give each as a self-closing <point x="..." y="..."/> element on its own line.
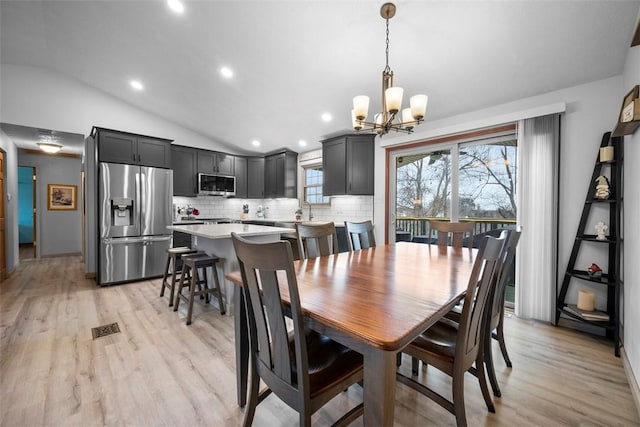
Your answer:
<point x="419" y="226"/>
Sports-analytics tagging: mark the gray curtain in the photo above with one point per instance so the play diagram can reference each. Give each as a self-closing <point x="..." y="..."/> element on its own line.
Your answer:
<point x="536" y="263"/>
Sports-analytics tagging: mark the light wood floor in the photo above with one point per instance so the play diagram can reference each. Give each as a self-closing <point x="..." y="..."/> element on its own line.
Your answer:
<point x="158" y="371"/>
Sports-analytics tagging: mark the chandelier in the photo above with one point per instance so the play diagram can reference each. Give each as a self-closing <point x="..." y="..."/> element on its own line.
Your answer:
<point x="389" y="119"/>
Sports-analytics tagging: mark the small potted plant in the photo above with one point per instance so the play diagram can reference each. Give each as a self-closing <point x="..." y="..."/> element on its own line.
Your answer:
<point x="245" y="211"/>
<point x="298" y="214"/>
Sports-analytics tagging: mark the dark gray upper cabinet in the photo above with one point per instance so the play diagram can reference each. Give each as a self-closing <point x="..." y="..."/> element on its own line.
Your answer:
<point x="241" y="177"/>
<point x="255" y="177"/>
<point x="132" y="149"/>
<point x="184" y="165"/>
<point x="215" y="162"/>
<point x="281" y="178"/>
<point x="348" y="165"/>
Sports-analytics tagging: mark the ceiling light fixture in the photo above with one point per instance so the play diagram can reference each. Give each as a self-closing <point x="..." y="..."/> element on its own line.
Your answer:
<point x="326" y="117"/>
<point x="49" y="147"/>
<point x="391" y="99"/>
<point x="136" y="85"/>
<point x="176" y="5"/>
<point x="226" y="72"/>
<point x="255" y="143"/>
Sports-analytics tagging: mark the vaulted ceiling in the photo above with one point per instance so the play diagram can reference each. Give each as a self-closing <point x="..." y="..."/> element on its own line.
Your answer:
<point x="294" y="61"/>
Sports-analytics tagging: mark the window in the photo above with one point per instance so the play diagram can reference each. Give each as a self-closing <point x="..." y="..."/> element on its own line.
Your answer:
<point x="487" y="179"/>
<point x="313" y="186"/>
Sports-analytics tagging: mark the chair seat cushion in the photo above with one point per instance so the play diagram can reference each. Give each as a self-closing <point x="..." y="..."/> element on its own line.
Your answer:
<point x="440" y="339"/>
<point x="329" y="362"/>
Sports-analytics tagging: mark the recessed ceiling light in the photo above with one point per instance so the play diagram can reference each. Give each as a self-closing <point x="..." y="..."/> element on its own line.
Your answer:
<point x="326" y="117"/>
<point x="176" y="6"/>
<point x="136" y="85"/>
<point x="302" y="143"/>
<point x="255" y="143"/>
<point x="226" y="72"/>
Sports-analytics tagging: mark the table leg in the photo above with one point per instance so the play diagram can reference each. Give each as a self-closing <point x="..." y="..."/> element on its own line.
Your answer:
<point x="242" y="345"/>
<point x="379" y="387"/>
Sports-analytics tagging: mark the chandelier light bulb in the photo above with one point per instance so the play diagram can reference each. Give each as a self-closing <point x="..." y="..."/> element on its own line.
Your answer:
<point x="407" y="118"/>
<point x="361" y="107"/>
<point x="418" y="106"/>
<point x="393" y="96"/>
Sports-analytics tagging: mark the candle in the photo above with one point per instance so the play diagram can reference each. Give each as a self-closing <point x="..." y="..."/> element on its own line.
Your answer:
<point x="586" y="300"/>
<point x="606" y="154"/>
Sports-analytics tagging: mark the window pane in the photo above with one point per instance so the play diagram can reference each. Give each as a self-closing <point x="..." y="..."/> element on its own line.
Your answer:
<point x="488" y="180"/>
<point x="313" y="186"/>
<point x="424" y="185"/>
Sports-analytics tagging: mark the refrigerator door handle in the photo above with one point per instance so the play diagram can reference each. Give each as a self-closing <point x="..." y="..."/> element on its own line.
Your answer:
<point x="139" y="200"/>
<point x="128" y="240"/>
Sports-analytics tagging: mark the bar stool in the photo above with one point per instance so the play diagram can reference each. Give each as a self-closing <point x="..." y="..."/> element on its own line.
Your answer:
<point x="191" y="264"/>
<point x="174" y="256"/>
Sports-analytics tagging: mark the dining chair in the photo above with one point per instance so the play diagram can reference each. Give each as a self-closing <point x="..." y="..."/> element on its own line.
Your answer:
<point x="303" y="368"/>
<point x="495" y="320"/>
<point x="360" y="235"/>
<point x="317" y="239"/>
<point x="458" y="231"/>
<point x="454" y="348"/>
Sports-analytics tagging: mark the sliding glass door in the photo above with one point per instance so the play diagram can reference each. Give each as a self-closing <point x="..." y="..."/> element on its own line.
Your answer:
<point x="472" y="179"/>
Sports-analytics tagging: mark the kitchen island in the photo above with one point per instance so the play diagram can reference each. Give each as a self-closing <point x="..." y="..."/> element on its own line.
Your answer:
<point x="215" y="239"/>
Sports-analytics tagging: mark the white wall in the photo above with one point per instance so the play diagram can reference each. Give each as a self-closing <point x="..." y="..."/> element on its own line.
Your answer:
<point x="631" y="273"/>
<point x="11" y="201"/>
<point x="57" y="232"/>
<point x="45" y="99"/>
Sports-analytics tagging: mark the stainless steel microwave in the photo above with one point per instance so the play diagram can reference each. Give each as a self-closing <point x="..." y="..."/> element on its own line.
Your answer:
<point x="216" y="185"/>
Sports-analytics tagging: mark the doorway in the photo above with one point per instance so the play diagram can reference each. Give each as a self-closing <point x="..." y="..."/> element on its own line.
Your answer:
<point x="27" y="212"/>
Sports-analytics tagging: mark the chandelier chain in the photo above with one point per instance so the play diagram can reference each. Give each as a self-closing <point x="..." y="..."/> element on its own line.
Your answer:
<point x="386" y="68"/>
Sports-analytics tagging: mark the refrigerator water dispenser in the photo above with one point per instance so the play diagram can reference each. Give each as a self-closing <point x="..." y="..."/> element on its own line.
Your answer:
<point x="121" y="212"/>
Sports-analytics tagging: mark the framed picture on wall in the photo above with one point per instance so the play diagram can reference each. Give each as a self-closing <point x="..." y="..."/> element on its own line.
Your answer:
<point x="62" y="197"/>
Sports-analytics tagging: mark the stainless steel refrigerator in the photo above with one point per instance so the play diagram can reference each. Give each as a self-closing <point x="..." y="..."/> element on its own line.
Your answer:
<point x="135" y="210"/>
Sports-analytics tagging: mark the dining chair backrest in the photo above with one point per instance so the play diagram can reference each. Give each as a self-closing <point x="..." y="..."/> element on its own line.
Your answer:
<point x="268" y="336"/>
<point x="473" y="313"/>
<point x="458" y="231"/>
<point x="303" y="368"/>
<point x="512" y="237"/>
<point x="317" y="239"/>
<point x="360" y="235"/>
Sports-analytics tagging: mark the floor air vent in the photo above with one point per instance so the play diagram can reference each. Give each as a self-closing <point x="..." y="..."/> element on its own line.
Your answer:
<point x="103" y="331"/>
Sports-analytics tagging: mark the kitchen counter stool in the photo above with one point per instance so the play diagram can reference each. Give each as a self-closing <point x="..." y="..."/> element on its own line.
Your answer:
<point x="174" y="256"/>
<point x="190" y="278"/>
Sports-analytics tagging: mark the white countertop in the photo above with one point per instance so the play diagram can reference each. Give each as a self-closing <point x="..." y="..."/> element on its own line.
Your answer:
<point x="293" y="221"/>
<point x="223" y="231"/>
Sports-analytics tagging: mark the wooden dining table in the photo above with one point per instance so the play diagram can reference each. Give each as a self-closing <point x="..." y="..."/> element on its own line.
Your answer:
<point x="375" y="301"/>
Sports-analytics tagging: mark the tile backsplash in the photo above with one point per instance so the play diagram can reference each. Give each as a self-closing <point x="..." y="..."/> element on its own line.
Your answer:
<point x="341" y="208"/>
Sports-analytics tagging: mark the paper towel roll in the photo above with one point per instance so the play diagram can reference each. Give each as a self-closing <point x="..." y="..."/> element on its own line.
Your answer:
<point x="586" y="300"/>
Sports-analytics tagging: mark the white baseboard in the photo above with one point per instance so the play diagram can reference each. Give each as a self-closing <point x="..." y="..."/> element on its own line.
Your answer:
<point x="633" y="382"/>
